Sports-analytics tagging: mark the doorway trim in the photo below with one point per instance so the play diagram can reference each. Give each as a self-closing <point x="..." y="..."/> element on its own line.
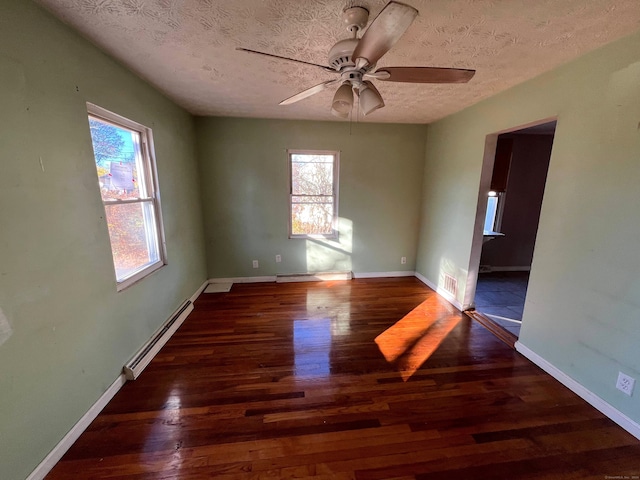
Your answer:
<point x="490" y="144"/>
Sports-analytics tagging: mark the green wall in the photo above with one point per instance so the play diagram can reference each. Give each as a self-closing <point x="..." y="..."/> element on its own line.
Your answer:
<point x="244" y="178"/>
<point x="64" y="331"/>
<point x="582" y="312"/>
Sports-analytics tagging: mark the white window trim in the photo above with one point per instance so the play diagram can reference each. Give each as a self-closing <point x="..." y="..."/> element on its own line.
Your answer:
<point x="151" y="179"/>
<point x="336" y="170"/>
<point x="497" y="219"/>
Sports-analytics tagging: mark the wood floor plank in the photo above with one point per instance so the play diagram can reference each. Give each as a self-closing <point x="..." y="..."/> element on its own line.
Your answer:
<point x="361" y="379"/>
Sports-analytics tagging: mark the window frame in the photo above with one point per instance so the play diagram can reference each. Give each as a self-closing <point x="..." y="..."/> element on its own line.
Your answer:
<point x="499" y="210"/>
<point x="335" y="190"/>
<point x="150" y="174"/>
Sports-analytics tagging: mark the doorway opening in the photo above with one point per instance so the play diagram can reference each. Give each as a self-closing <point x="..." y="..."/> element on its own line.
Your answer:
<point x="509" y="203"/>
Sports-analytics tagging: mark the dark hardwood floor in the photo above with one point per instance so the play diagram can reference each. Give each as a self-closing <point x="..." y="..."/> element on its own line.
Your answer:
<point x="361" y="379"/>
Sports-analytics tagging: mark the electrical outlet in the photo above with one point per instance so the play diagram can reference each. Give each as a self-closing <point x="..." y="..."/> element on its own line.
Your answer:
<point x="625" y="383"/>
<point x="403" y="260"/>
<point x="278" y="258"/>
<point x="255" y="264"/>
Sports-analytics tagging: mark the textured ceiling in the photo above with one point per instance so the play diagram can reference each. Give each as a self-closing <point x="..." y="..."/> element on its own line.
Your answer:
<point x="186" y="48"/>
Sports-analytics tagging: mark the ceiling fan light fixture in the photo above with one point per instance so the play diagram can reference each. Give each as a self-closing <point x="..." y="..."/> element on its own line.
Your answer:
<point x="370" y="98"/>
<point x="339" y="114"/>
<point x="342" y="100"/>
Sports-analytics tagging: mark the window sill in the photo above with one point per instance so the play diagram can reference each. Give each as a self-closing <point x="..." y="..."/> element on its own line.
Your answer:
<point x="487" y="236"/>
<point x="314" y="237"/>
<point x="139" y="275"/>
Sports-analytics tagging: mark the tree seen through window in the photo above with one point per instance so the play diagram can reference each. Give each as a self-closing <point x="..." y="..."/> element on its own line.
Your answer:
<point x="313" y="193"/>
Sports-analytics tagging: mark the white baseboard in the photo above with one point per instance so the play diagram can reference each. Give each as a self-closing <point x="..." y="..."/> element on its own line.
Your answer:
<point x="384" y="274"/>
<point x="195" y="296"/>
<point x="440" y="291"/>
<point x="61" y="448"/>
<point x="266" y="278"/>
<point x="273" y="278"/>
<point x="313" y="277"/>
<point x="495" y="268"/>
<point x="607" y="409"/>
<point x="81" y="425"/>
<point x="143" y="357"/>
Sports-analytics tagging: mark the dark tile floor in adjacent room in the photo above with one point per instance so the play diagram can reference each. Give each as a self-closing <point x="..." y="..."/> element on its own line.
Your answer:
<point x="502" y="294"/>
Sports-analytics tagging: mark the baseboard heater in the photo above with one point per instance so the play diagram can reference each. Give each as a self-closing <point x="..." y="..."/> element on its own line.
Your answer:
<point x="314" y="277"/>
<point x="138" y="363"/>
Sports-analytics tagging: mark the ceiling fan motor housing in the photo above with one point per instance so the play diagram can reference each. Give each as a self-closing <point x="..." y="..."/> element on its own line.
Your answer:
<point x="340" y="53"/>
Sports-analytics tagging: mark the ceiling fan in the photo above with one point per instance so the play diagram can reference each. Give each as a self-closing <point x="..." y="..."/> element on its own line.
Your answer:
<point x="354" y="59"/>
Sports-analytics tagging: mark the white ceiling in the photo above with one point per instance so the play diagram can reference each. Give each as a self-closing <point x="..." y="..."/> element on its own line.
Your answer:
<point x="186" y="48"/>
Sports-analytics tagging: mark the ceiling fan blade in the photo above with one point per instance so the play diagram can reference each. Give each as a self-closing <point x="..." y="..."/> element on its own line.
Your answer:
<point x="423" y="74"/>
<point x="309" y="91"/>
<point x="383" y="33"/>
<point x="328" y="69"/>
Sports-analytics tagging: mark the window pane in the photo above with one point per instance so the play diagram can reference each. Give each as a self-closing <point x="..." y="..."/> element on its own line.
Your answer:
<point x="133" y="239"/>
<point x="311" y="215"/>
<point x="311" y="157"/>
<point x="118" y="160"/>
<point x="490" y="217"/>
<point x="312" y="174"/>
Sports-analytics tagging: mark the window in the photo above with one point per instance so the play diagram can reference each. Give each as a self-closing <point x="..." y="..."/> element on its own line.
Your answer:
<point x="123" y="152"/>
<point x="493" y="217"/>
<point x="313" y="196"/>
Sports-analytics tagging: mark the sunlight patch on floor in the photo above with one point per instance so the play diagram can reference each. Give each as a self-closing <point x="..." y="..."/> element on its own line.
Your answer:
<point x="413" y="339"/>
